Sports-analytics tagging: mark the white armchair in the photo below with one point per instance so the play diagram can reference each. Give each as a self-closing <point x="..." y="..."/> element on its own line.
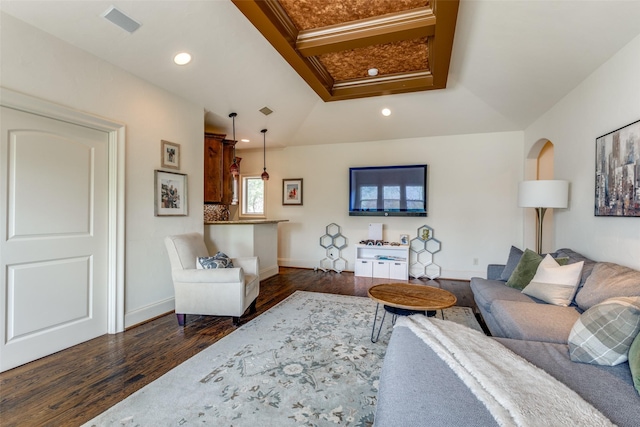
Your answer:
<point x="215" y="292"/>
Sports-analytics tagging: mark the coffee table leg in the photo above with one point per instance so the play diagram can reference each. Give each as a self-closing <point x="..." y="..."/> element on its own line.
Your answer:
<point x="375" y="319"/>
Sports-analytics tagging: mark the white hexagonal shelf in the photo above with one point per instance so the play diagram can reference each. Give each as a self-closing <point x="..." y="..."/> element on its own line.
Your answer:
<point x="433" y="271"/>
<point x="416" y="245"/>
<point x="416" y="270"/>
<point x="326" y="264"/>
<point x="433" y="245"/>
<point x="425" y="233"/>
<point x="326" y="241"/>
<point x="425" y="258"/>
<point x="333" y="229"/>
<point x="340" y="264"/>
<point x="333" y="253"/>
<point x="340" y="242"/>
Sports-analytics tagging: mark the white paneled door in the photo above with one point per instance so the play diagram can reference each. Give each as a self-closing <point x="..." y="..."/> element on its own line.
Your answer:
<point x="54" y="235"/>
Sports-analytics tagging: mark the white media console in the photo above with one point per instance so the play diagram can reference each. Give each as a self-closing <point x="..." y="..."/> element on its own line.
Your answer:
<point x="386" y="262"/>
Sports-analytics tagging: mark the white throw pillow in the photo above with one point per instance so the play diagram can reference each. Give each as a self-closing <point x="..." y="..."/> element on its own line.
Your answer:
<point x="553" y="283"/>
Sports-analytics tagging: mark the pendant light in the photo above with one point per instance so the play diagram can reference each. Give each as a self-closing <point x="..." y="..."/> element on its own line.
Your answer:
<point x="265" y="175"/>
<point x="234" y="169"/>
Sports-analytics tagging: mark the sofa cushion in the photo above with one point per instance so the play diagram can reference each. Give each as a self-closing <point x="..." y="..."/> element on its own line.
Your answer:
<point x="534" y="322"/>
<point x="607" y="388"/>
<point x="608" y="280"/>
<point x="573" y="257"/>
<point x="512" y="261"/>
<point x="603" y="334"/>
<point x="554" y="283"/>
<point x="486" y="291"/>
<point x="634" y="361"/>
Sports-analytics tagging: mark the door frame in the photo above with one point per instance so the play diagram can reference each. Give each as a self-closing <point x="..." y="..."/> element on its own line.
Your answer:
<point x="116" y="182"/>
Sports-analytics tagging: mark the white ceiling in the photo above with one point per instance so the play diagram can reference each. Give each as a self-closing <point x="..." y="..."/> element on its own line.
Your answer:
<point x="512" y="60"/>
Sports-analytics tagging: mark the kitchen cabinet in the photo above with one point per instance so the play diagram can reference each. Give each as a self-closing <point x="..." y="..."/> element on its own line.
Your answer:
<point x="218" y="156"/>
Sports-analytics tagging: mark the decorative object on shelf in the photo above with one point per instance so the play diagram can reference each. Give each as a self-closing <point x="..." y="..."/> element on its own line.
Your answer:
<point x="170" y="194"/>
<point x="617" y="192"/>
<point x="235" y="166"/>
<point x="421" y="251"/>
<point x="292" y="191"/>
<point x="541" y="195"/>
<point x="333" y="242"/>
<point x="265" y="175"/>
<point x="404" y="239"/>
<point x="170" y="155"/>
<point x="216" y="212"/>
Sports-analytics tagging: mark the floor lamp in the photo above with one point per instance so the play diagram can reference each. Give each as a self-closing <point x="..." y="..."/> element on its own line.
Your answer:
<point x="541" y="195"/>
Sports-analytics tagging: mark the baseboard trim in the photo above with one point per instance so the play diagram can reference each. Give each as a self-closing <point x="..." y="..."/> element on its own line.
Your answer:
<point x="265" y="273"/>
<point x="146" y="313"/>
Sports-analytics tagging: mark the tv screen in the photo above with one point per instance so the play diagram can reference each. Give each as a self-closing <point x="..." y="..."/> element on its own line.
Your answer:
<point x="388" y="190"/>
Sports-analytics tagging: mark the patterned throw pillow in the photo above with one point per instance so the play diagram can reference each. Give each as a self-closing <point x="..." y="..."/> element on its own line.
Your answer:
<point x="219" y="260"/>
<point x="603" y="334"/>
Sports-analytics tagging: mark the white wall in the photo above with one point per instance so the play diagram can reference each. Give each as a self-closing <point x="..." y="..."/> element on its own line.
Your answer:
<point x="605" y="101"/>
<point x="40" y="65"/>
<point x="473" y="182"/>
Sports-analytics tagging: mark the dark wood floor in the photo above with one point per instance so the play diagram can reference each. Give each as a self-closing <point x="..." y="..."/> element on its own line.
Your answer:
<point x="73" y="386"/>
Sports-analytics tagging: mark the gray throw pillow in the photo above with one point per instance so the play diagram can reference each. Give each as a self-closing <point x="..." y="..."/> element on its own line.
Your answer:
<point x="219" y="260"/>
<point x="608" y="280"/>
<point x="512" y="261"/>
<point x="603" y="334"/>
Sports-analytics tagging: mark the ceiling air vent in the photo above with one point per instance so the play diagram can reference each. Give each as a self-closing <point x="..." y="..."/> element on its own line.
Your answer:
<point x="121" y="20"/>
<point x="266" y="111"/>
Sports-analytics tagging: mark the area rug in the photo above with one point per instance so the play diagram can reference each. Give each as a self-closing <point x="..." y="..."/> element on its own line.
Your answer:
<point x="308" y="361"/>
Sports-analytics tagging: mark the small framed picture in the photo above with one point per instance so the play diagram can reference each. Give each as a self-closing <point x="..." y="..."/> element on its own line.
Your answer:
<point x="170" y="155"/>
<point x="292" y="191"/>
<point x="404" y="239"/>
<point x="170" y="194"/>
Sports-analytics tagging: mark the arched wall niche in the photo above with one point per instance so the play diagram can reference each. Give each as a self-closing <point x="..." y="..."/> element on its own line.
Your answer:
<point x="539" y="164"/>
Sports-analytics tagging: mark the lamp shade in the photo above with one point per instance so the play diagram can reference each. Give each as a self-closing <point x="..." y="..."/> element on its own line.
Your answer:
<point x="543" y="194"/>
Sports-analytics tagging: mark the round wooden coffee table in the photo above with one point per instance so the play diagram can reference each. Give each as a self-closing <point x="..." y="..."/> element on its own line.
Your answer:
<point x="403" y="299"/>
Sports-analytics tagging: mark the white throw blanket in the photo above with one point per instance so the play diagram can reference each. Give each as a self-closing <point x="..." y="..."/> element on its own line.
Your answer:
<point x="514" y="391"/>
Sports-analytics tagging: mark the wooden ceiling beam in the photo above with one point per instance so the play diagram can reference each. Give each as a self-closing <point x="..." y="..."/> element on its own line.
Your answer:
<point x="384" y="85"/>
<point x="405" y="25"/>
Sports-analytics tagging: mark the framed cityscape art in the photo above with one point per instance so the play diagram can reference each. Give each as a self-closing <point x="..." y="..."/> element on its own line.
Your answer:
<point x="618" y="172"/>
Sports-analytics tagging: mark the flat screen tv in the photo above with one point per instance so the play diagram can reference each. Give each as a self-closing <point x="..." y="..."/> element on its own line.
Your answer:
<point x="388" y="191"/>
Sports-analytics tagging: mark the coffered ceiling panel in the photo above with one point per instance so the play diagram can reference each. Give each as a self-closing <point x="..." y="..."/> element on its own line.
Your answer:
<point x="360" y="48"/>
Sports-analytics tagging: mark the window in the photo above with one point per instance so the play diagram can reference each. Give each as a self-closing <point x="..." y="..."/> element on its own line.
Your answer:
<point x="254" y="194"/>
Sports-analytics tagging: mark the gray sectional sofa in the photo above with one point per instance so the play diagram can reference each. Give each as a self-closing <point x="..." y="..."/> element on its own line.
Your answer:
<point x="418" y="389"/>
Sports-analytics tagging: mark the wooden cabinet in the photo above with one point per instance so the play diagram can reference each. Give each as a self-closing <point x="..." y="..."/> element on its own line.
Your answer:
<point x="218" y="156"/>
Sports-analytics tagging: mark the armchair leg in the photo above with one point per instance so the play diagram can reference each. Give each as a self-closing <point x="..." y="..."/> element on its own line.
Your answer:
<point x="252" y="307"/>
<point x="181" y="318"/>
<point x="236" y="321"/>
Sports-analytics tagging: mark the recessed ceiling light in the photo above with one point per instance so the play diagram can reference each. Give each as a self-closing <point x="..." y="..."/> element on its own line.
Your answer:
<point x="183" y="58"/>
<point x="386" y="112"/>
<point x="244" y="140"/>
<point x="372" y="72"/>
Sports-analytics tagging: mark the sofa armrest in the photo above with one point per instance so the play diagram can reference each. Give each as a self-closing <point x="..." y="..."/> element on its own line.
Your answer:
<point x="213" y="275"/>
<point x="249" y="264"/>
<point x="494" y="271"/>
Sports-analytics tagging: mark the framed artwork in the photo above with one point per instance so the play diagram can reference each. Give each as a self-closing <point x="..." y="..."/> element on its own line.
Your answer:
<point x="292" y="191"/>
<point x="404" y="239"/>
<point x="170" y="155"/>
<point x="618" y="172"/>
<point x="170" y="194"/>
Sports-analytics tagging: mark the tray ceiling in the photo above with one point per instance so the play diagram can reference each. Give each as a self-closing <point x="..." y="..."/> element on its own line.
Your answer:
<point x="332" y="44"/>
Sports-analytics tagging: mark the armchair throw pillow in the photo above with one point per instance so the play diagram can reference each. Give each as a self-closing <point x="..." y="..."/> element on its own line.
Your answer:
<point x="219" y="260"/>
<point x="554" y="283"/>
<point x="603" y="334"/>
